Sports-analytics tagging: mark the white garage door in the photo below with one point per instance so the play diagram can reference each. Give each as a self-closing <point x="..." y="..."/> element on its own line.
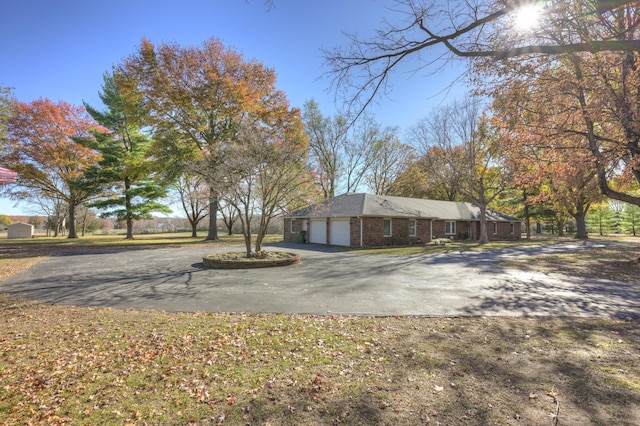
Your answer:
<point x="340" y="232"/>
<point x="318" y="232"/>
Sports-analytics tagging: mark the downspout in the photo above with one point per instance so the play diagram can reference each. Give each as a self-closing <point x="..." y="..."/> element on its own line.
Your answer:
<point x="360" y="217"/>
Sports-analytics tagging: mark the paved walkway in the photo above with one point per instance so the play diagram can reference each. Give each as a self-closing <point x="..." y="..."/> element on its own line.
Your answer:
<point x="326" y="282"/>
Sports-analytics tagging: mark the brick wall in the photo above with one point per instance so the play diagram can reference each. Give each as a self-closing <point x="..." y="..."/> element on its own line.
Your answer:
<point x="373" y="228"/>
<point x="438" y="229"/>
<point x="287" y="235"/>
<point x="463" y="230"/>
<point x="504" y="231"/>
<point x="355" y="232"/>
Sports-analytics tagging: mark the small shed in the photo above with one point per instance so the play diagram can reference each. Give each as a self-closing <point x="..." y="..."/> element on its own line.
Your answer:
<point x="20" y="230"/>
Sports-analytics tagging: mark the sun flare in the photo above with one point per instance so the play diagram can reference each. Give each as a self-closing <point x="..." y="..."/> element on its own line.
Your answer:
<point x="528" y="16"/>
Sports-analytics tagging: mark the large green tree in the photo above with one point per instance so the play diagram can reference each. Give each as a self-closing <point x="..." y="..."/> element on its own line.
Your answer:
<point x="195" y="98"/>
<point x="631" y="219"/>
<point x="125" y="169"/>
<point x="603" y="220"/>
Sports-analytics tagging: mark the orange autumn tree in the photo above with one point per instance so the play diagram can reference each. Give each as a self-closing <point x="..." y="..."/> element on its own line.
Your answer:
<point x="561" y="178"/>
<point x="40" y="146"/>
<point x="556" y="166"/>
<point x="591" y="97"/>
<point x="195" y="99"/>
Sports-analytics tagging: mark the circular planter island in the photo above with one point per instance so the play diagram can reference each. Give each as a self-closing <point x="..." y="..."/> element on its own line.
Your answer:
<point x="239" y="260"/>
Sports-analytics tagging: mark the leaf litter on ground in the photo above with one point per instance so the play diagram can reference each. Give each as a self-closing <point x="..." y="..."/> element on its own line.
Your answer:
<point x="69" y="365"/>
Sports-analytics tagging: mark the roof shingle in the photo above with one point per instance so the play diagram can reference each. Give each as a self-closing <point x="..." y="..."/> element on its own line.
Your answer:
<point x="369" y="205"/>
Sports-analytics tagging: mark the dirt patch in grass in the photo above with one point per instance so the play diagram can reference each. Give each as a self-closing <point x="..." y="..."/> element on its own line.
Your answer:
<point x="65" y="365"/>
<point x="619" y="262"/>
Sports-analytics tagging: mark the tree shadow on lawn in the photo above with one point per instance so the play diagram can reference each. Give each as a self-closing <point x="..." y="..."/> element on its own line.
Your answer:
<point x="475" y="371"/>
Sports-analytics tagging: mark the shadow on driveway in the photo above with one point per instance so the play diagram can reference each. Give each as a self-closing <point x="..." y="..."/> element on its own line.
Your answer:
<point x="327" y="281"/>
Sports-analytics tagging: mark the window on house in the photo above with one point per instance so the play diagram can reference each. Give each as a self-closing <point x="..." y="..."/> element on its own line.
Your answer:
<point x="412" y="227"/>
<point x="387" y="227"/>
<point x="512" y="228"/>
<point x="495" y="228"/>
<point x="450" y="227"/>
<point x="293" y="226"/>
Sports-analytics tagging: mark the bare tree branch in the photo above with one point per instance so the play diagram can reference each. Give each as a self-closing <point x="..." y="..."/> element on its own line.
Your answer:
<point x="432" y="33"/>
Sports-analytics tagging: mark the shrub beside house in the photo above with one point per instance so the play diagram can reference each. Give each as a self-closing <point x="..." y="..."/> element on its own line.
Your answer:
<point x="366" y="220"/>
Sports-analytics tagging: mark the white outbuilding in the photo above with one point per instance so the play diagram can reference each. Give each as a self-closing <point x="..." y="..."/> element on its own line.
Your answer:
<point x="20" y="230"/>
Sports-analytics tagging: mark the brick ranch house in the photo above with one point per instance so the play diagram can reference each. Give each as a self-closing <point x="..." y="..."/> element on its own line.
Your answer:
<point x="366" y="220"/>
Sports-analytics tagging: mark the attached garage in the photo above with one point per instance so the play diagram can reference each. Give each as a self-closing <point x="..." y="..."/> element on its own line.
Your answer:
<point x="340" y="232"/>
<point x="318" y="231"/>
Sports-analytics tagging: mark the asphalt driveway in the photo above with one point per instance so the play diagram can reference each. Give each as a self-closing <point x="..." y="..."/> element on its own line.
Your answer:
<point x="325" y="282"/>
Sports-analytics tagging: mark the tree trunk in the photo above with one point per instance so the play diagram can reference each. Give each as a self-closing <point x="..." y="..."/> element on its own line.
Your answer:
<point x="84" y="221"/>
<point x="246" y="231"/>
<point x="527" y="216"/>
<point x="581" y="227"/>
<point x="484" y="235"/>
<point x="262" y="230"/>
<point x="247" y="241"/>
<point x="72" y="220"/>
<point x="213" y="215"/>
<point x="600" y="224"/>
<point x="128" y="209"/>
<point x="194" y="229"/>
<point x="560" y="224"/>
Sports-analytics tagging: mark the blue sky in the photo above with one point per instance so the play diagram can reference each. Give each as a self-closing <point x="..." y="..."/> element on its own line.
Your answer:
<point x="60" y="49"/>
